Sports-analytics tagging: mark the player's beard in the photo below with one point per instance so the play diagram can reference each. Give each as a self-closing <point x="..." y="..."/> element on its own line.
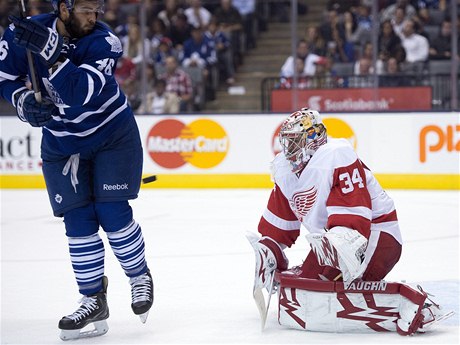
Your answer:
<point x="75" y="28"/>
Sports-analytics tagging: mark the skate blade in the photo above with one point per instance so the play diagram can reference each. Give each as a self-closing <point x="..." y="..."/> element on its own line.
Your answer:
<point x="428" y="326"/>
<point x="144" y="316"/>
<point x="100" y="328"/>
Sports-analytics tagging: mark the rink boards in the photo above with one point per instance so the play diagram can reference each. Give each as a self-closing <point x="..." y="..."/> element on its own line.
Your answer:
<point x="404" y="150"/>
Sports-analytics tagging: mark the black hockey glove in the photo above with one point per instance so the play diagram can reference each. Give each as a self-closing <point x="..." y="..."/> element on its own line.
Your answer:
<point x="33" y="112"/>
<point x="39" y="39"/>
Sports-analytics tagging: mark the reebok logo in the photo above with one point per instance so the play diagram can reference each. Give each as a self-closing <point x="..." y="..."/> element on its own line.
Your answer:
<point x="115" y="186"/>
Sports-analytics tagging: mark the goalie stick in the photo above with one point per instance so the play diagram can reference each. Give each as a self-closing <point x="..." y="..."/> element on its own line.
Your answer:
<point x="33" y="75"/>
<point x="259" y="298"/>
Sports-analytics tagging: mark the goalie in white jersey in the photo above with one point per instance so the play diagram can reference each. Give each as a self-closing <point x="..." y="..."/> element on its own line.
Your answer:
<point x="322" y="184"/>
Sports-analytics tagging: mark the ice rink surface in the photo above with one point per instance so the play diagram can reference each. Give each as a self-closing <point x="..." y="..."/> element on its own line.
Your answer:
<point x="203" y="269"/>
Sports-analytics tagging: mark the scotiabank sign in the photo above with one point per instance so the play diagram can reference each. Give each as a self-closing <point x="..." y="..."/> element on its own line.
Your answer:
<point x="382" y="99"/>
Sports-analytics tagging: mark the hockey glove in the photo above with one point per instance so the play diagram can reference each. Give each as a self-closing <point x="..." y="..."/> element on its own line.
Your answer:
<point x="341" y="248"/>
<point x="269" y="257"/>
<point x="33" y="112"/>
<point x="39" y="39"/>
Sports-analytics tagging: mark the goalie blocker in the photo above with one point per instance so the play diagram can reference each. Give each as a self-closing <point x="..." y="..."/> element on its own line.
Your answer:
<point x="365" y="306"/>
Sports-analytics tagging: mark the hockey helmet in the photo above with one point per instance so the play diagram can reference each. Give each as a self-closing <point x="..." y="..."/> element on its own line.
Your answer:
<point x="301" y="134"/>
<point x="71" y="5"/>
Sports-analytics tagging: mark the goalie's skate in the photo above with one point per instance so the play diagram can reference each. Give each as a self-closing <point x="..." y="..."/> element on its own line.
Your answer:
<point x="432" y="314"/>
<point x="142" y="295"/>
<point x="93" y="311"/>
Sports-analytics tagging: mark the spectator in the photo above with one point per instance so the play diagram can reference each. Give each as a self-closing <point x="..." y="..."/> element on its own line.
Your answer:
<point x="432" y="4"/>
<point x="113" y="14"/>
<point x="392" y="75"/>
<point x="415" y="45"/>
<point x="178" y="82"/>
<point x="342" y="6"/>
<point x="157" y="33"/>
<point x="165" y="49"/>
<point x="223" y="49"/>
<point x="4" y="12"/>
<point x="367" y="53"/>
<point x="197" y="15"/>
<point x="247" y="10"/>
<point x="180" y="31"/>
<point x="160" y="101"/>
<point x="363" y="26"/>
<point x="303" y="81"/>
<point x="362" y="77"/>
<point x="389" y="12"/>
<point x="170" y="12"/>
<point x="441" y="48"/>
<point x="125" y="25"/>
<point x="325" y="77"/>
<point x="287" y="70"/>
<point x="199" y="51"/>
<point x="230" y="22"/>
<point x="397" y="21"/>
<point x="133" y="46"/>
<point x="339" y="49"/>
<point x="390" y="43"/>
<point x="125" y="74"/>
<point x="331" y="23"/>
<point x="316" y="43"/>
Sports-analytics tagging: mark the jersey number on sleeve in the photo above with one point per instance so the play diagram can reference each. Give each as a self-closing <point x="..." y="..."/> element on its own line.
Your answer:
<point x="347" y="182"/>
<point x="106" y="65"/>
<point x="3" y="50"/>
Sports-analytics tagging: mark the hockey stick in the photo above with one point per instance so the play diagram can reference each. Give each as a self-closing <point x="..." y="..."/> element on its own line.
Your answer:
<point x="260" y="301"/>
<point x="33" y="75"/>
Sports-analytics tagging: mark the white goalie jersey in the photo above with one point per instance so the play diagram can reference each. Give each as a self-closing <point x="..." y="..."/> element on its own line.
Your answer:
<point x="334" y="189"/>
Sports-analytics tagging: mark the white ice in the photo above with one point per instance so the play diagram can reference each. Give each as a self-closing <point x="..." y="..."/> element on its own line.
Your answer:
<point x="203" y="269"/>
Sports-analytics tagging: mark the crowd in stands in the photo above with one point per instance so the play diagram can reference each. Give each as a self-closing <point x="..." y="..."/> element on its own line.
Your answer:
<point x="410" y="35"/>
<point x="190" y="47"/>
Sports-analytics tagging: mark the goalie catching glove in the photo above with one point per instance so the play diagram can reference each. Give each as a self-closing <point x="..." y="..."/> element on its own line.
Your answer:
<point x="341" y="248"/>
<point x="33" y="112"/>
<point x="269" y="257"/>
<point x="37" y="38"/>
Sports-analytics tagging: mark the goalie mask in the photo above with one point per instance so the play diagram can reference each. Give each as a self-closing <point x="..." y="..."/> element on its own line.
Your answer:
<point x="301" y="134"/>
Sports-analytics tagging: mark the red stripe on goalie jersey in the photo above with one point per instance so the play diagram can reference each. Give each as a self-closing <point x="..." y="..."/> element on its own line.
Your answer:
<point x="279" y="206"/>
<point x="350" y="194"/>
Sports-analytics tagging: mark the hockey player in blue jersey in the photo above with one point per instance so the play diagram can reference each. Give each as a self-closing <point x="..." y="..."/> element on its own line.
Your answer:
<point x="91" y="148"/>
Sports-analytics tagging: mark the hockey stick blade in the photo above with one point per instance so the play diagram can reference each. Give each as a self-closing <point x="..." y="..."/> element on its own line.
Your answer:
<point x="260" y="301"/>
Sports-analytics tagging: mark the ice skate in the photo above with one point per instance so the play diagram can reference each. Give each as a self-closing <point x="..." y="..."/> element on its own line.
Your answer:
<point x="142" y="295"/>
<point x="432" y="314"/>
<point x="93" y="311"/>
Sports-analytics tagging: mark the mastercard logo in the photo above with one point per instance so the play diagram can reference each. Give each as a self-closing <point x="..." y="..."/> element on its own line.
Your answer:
<point x="336" y="128"/>
<point x="202" y="143"/>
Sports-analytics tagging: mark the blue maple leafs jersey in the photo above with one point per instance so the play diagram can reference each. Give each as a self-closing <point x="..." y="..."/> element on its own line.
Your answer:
<point x="91" y="104"/>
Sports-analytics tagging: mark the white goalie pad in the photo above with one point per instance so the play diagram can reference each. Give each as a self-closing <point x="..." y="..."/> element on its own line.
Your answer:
<point x="341" y="248"/>
<point x="365" y="306"/>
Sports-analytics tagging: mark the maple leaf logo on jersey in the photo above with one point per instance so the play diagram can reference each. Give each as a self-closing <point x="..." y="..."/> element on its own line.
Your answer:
<point x="115" y="44"/>
<point x="302" y="202"/>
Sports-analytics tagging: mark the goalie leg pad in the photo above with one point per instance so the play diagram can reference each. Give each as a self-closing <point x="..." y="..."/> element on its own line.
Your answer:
<point x="365" y="306"/>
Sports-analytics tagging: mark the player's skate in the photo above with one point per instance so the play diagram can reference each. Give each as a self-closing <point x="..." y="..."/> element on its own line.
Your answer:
<point x="142" y="295"/>
<point x="92" y="311"/>
<point x="432" y="314"/>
